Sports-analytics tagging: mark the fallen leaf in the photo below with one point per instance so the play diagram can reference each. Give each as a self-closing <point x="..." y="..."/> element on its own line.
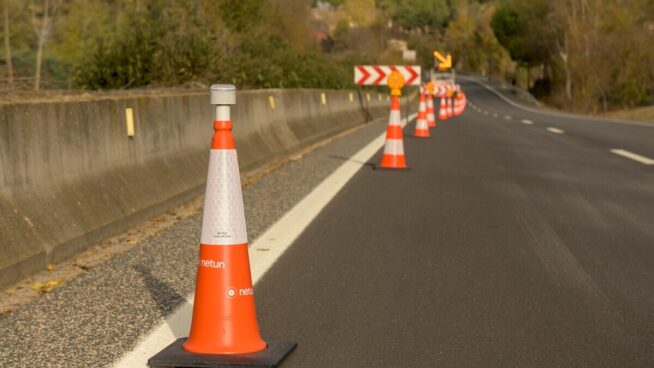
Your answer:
<point x="50" y="267"/>
<point x="53" y="284"/>
<point x="10" y="292"/>
<point x="48" y="286"/>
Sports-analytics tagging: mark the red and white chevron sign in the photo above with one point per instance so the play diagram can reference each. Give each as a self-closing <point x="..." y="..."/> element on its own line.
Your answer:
<point x="440" y="90"/>
<point x="373" y="75"/>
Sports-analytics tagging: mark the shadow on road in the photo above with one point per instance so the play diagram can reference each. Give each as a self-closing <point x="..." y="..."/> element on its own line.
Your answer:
<point x="343" y="158"/>
<point x="168" y="301"/>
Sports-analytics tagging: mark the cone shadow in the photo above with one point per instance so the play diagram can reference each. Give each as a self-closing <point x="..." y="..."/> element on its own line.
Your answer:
<point x="343" y="158"/>
<point x="168" y="300"/>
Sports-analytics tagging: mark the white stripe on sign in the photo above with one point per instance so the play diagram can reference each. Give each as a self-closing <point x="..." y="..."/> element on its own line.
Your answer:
<point x="633" y="156"/>
<point x="527" y="121"/>
<point x="277" y="239"/>
<point x="555" y="130"/>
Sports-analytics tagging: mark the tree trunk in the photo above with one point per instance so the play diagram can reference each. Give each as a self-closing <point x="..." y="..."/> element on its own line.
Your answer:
<point x="8" y="61"/>
<point x="563" y="54"/>
<point x="528" y="79"/>
<point x="43" y="34"/>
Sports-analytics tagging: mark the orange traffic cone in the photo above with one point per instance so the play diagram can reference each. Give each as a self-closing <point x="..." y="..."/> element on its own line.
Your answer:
<point x="431" y="121"/>
<point x="393" y="157"/>
<point x="224" y="328"/>
<point x="422" y="127"/>
<point x="450" y="107"/>
<point x="442" y="109"/>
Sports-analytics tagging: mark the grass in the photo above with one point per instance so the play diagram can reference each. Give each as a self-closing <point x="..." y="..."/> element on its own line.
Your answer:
<point x="645" y="114"/>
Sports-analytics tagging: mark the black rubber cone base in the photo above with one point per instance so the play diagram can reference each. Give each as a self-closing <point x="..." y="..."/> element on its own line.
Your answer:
<point x="377" y="167"/>
<point x="175" y="356"/>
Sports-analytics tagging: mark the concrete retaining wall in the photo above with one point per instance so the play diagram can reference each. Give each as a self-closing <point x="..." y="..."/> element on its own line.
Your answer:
<point x="70" y="176"/>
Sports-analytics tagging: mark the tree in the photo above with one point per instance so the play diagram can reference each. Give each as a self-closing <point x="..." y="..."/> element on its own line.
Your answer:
<point x="8" y="55"/>
<point x="518" y="26"/>
<point x="424" y="14"/>
<point x="241" y="15"/>
<point x="362" y="12"/>
<point x="472" y="42"/>
<point x="42" y="23"/>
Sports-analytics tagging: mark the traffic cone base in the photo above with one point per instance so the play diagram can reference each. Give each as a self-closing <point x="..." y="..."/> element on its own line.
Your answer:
<point x="176" y="356"/>
<point x="392" y="162"/>
<point x="423" y="133"/>
<point x="226" y="322"/>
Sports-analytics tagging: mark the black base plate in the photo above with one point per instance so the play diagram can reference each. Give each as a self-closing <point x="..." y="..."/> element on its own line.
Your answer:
<point x="377" y="167"/>
<point x="175" y="356"/>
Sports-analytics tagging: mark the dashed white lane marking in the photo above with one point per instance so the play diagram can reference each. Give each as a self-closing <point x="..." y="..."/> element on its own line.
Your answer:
<point x="485" y="112"/>
<point x="633" y="156"/>
<point x="527" y="121"/>
<point x="494" y="115"/>
<point x="507" y="117"/>
<point x="277" y="239"/>
<point x="555" y="130"/>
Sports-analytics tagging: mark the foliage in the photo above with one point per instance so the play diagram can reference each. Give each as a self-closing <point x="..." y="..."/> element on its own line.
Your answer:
<point x="241" y="15"/>
<point x="172" y="47"/>
<point x="592" y="55"/>
<point x="411" y="14"/>
<point x="519" y="28"/>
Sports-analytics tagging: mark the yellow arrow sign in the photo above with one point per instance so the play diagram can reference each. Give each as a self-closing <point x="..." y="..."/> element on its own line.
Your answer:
<point x="444" y="62"/>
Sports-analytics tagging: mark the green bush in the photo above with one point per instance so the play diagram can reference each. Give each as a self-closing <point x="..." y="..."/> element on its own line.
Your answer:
<point x="142" y="57"/>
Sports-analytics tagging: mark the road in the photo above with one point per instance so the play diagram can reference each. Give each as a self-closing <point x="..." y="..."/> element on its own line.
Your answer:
<point x="517" y="239"/>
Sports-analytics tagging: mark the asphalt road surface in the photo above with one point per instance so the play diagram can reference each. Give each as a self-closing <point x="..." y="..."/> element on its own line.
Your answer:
<point x="507" y="245"/>
<point x="517" y="239"/>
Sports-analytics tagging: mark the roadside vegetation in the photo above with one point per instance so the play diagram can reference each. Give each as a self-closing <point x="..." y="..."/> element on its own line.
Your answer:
<point x="588" y="56"/>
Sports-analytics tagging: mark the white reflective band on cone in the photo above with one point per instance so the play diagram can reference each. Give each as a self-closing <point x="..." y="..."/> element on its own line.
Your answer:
<point x="394" y="118"/>
<point x="394" y="147"/>
<point x="223" y="220"/>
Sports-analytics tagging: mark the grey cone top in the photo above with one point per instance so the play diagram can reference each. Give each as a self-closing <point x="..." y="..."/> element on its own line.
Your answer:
<point x="223" y="94"/>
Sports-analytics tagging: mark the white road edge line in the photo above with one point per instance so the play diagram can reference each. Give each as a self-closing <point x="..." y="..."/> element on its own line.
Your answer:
<point x="633" y="156"/>
<point x="555" y="130"/>
<point x="278" y="238"/>
<point x="527" y="121"/>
